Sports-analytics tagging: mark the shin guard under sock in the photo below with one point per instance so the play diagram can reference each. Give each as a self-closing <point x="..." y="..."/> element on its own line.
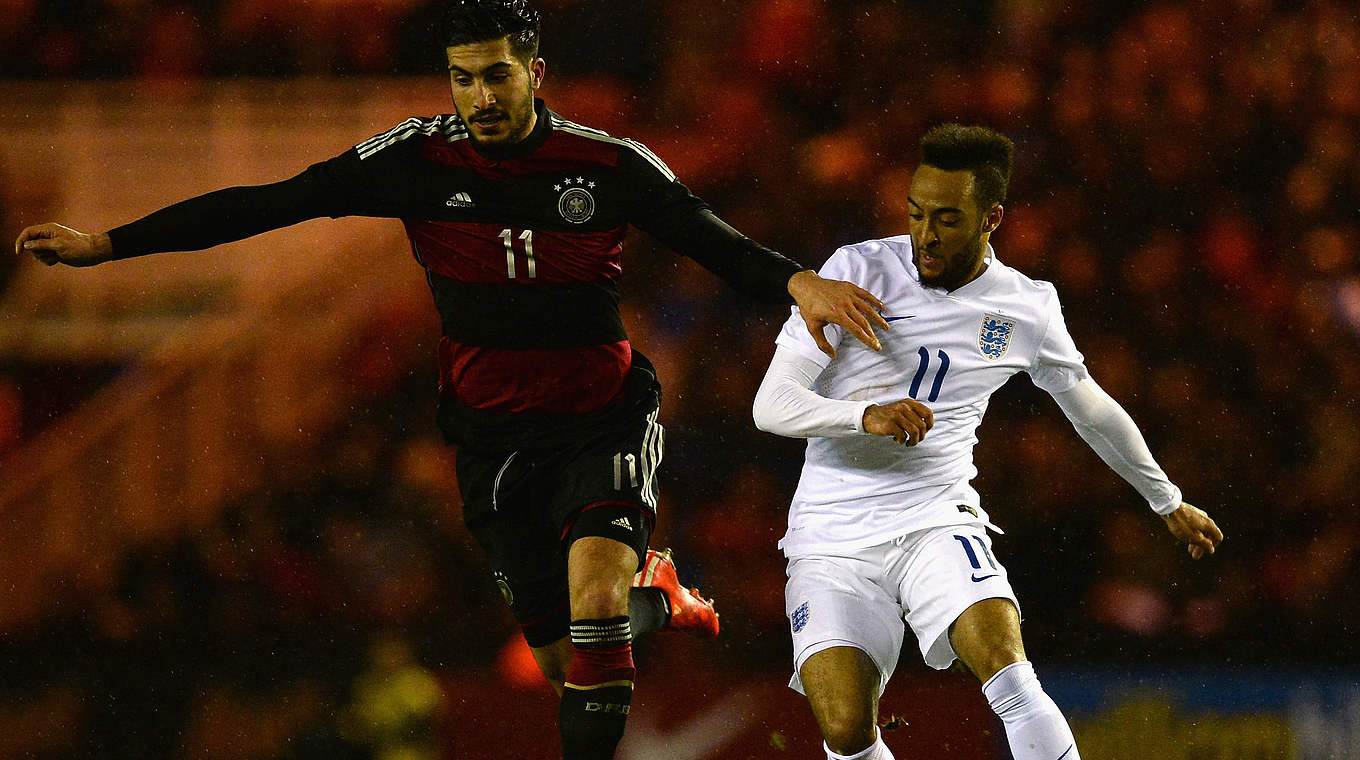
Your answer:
<point x="599" y="689"/>
<point x="1035" y="728"/>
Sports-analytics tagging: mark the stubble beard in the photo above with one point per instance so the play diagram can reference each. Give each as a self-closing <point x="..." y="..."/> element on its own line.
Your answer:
<point x="957" y="268"/>
<point x="513" y="127"/>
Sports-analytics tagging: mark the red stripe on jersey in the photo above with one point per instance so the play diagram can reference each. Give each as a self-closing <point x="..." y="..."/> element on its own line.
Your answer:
<point x="477" y="252"/>
<point x="557" y="381"/>
<point x="561" y="152"/>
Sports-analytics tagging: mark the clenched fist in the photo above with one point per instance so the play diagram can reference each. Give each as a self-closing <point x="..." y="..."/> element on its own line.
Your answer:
<point x="57" y="244"/>
<point x="904" y="421"/>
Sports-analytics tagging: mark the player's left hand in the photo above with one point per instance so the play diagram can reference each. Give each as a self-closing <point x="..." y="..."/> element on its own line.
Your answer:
<point x="1194" y="526"/>
<point x="824" y="302"/>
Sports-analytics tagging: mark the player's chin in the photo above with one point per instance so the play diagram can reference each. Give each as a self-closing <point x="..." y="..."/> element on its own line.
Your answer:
<point x="928" y="277"/>
<point x="493" y="131"/>
<point x="488" y="134"/>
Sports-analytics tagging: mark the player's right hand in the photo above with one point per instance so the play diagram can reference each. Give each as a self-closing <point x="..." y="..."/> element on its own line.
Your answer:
<point x="1195" y="528"/>
<point x="57" y="244"/>
<point x="904" y="421"/>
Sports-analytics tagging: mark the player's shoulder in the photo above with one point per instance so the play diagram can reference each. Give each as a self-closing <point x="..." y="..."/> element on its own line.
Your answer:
<point x="869" y="255"/>
<point x="1025" y="286"/>
<point x="627" y="148"/>
<point x="875" y="252"/>
<point x="446" y="126"/>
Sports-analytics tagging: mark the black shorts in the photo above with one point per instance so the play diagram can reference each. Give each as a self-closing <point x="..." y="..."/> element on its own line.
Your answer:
<point x="526" y="507"/>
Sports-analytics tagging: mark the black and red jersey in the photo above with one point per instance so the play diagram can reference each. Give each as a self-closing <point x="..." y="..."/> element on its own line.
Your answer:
<point x="522" y="251"/>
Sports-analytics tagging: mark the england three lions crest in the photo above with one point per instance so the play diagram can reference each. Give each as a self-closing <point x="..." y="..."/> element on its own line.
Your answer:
<point x="994" y="337"/>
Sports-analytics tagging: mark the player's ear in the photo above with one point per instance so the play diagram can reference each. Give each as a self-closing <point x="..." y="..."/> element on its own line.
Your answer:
<point x="537" y="68"/>
<point x="992" y="219"/>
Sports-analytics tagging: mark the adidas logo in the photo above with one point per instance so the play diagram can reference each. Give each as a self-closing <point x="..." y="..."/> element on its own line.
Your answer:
<point x="622" y="522"/>
<point x="460" y="199"/>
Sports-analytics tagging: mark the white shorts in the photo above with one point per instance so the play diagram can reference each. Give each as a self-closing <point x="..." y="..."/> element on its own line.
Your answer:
<point x="925" y="579"/>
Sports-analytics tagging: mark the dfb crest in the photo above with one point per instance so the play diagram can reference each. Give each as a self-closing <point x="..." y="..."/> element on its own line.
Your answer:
<point x="994" y="337"/>
<point x="575" y="204"/>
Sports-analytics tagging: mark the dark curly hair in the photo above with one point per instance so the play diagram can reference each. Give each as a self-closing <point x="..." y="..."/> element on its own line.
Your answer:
<point x="468" y="21"/>
<point x="988" y="154"/>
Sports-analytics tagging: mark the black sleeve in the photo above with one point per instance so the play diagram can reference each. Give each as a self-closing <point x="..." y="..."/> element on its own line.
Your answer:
<point x="342" y="186"/>
<point x="664" y="208"/>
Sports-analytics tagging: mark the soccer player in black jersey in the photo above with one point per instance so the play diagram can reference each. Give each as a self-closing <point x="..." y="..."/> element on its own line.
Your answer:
<point x="517" y="216"/>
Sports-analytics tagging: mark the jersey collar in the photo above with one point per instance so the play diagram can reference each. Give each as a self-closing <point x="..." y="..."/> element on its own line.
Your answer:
<point x="983" y="281"/>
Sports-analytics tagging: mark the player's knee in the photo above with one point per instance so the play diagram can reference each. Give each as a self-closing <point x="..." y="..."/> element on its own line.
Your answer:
<point x="599" y="601"/>
<point x="848" y="730"/>
<point x="993" y="657"/>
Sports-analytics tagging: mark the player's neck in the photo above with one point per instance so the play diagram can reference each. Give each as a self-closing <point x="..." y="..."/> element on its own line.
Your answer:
<point x="981" y="267"/>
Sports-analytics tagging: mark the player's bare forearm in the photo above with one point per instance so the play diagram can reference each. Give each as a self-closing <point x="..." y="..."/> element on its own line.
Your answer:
<point x="54" y="244"/>
<point x="822" y="302"/>
<point x="1193" y="526"/>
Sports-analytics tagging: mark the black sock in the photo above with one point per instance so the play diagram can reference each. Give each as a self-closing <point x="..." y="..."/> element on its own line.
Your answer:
<point x="599" y="689"/>
<point x="648" y="610"/>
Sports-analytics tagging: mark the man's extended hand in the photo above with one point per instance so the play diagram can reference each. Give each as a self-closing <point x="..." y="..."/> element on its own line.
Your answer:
<point x="1193" y="526"/>
<point x="824" y="301"/>
<point x="56" y="244"/>
<point x="904" y="421"/>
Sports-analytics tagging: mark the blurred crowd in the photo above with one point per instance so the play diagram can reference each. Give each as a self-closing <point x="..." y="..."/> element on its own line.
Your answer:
<point x="159" y="39"/>
<point x="1187" y="175"/>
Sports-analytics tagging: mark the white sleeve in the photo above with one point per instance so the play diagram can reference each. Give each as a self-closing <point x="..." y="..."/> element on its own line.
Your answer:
<point x="786" y="405"/>
<point x="1111" y="432"/>
<point x="1058" y="365"/>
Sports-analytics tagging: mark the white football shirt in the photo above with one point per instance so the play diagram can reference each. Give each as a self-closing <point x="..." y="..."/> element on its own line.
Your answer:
<point x="950" y="350"/>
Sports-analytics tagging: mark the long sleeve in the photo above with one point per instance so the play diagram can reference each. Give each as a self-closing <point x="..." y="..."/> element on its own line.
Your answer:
<point x="340" y="186"/>
<point x="1112" y="434"/>
<point x="222" y="216"/>
<point x="786" y="405"/>
<point x="664" y="208"/>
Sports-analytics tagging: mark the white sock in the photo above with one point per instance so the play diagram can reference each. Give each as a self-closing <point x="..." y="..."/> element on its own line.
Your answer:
<point x="876" y="751"/>
<point x="1035" y="727"/>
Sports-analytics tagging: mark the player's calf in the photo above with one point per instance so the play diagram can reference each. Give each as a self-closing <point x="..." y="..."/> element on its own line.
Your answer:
<point x="598" y="692"/>
<point x="1035" y="727"/>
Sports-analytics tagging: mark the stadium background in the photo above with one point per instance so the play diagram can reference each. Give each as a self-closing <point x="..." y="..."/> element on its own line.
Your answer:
<point x="229" y="529"/>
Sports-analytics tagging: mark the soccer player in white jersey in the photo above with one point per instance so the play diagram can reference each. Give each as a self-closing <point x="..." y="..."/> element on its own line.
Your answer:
<point x="880" y="533"/>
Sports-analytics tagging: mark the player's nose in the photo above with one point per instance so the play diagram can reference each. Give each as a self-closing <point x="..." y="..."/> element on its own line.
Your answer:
<point x="487" y="97"/>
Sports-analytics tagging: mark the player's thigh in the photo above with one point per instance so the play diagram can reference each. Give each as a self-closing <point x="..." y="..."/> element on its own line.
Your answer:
<point x="944" y="572"/>
<point x="834" y="602"/>
<point x="606" y="487"/>
<point x="506" y="508"/>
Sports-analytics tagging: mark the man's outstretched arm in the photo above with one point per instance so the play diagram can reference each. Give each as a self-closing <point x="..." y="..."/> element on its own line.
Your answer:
<point x="1112" y="434"/>
<point x="667" y="210"/>
<point x="221" y="216"/>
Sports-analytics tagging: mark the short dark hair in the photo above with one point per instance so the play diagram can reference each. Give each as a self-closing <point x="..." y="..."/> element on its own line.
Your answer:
<point x="988" y="154"/>
<point x="468" y="21"/>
